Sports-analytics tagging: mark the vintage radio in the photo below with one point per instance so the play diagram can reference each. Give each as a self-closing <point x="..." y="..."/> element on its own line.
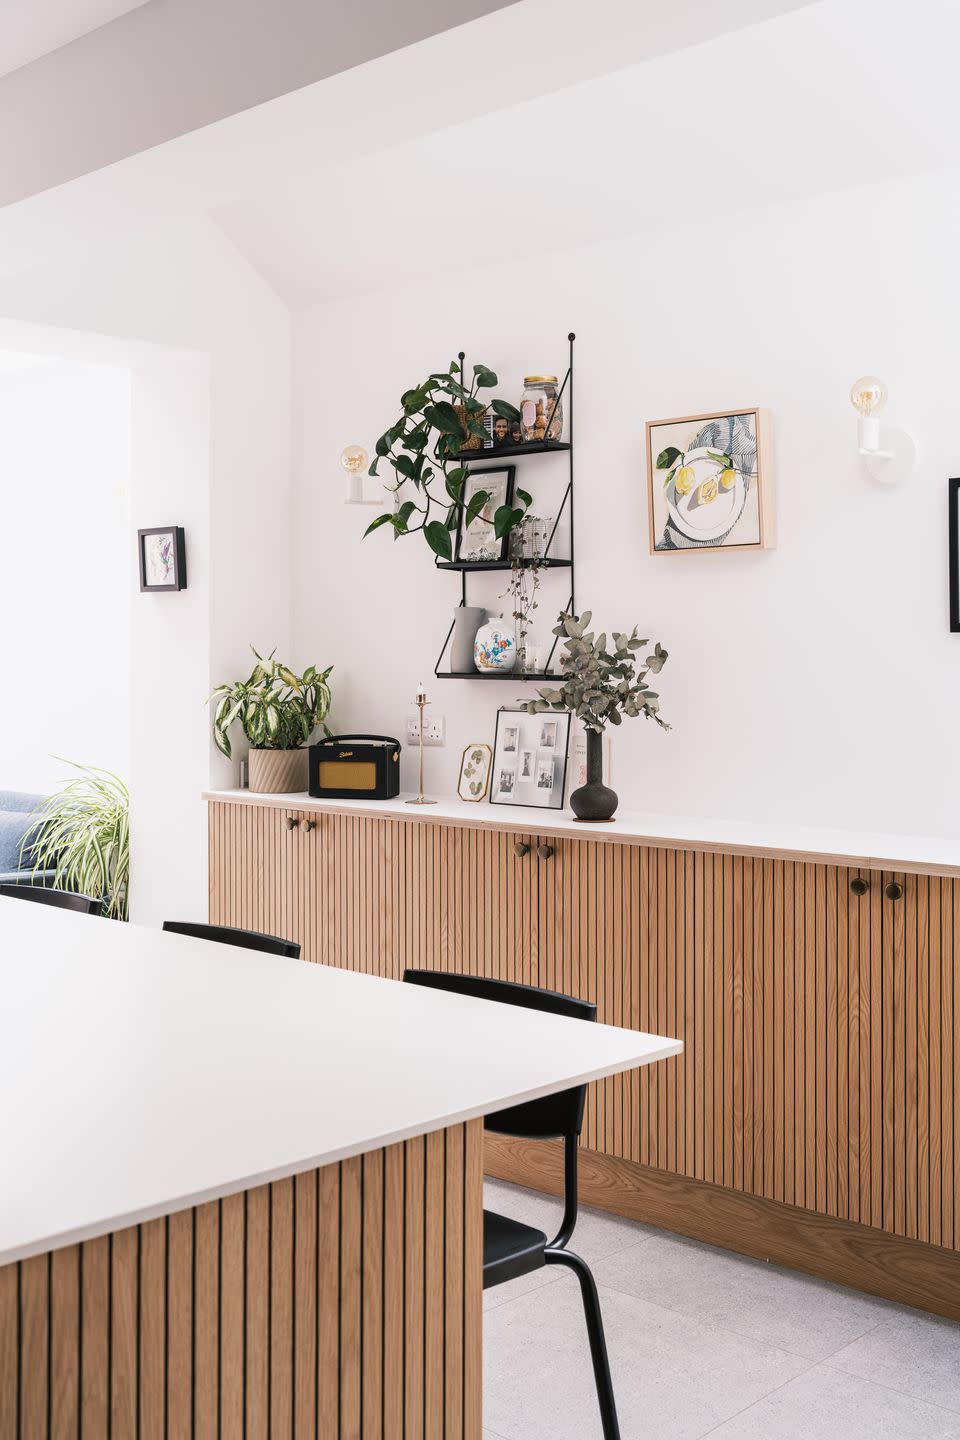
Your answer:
<point x="347" y="767"/>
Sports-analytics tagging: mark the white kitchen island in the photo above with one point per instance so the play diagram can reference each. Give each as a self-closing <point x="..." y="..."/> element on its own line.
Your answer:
<point x="241" y="1194"/>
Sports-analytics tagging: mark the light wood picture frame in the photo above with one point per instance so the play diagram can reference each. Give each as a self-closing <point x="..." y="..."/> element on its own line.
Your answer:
<point x="473" y="781"/>
<point x="709" y="482"/>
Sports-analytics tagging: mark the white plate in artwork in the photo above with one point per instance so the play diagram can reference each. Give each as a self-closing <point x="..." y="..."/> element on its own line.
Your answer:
<point x="698" y="517"/>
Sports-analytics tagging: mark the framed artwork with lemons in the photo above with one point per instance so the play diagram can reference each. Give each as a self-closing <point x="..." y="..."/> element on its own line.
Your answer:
<point x="708" y="480"/>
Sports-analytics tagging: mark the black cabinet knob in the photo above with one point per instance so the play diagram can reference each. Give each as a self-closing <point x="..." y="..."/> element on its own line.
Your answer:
<point x="893" y="891"/>
<point x="544" y="851"/>
<point x="520" y="848"/>
<point x="858" y="886"/>
<point x="308" y="825"/>
<point x="292" y="822"/>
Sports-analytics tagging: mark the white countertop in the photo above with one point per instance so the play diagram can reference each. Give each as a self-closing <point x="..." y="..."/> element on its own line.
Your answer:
<point x="141" y="1073"/>
<point x="864" y="849"/>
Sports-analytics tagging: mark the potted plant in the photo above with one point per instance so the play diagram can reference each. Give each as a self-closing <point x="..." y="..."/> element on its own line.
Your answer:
<point x="278" y="712"/>
<point x="440" y="418"/>
<point x="82" y="834"/>
<point x="600" y="685"/>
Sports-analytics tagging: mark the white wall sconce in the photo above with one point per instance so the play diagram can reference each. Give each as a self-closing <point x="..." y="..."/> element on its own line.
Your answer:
<point x="889" y="454"/>
<point x="354" y="460"/>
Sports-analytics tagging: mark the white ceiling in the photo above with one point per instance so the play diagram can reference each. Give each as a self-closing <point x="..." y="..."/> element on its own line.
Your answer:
<point x="829" y="97"/>
<point x="32" y="28"/>
<point x="626" y="117"/>
<point x="305" y="138"/>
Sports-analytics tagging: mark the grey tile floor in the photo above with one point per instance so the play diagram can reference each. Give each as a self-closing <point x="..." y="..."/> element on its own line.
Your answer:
<point x="703" y="1342"/>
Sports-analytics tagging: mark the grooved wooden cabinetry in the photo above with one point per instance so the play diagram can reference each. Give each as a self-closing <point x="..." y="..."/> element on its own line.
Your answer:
<point x="342" y="1301"/>
<point x="819" y="1082"/>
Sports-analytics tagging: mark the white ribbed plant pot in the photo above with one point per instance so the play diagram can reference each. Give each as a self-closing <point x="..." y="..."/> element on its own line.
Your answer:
<point x="278" y="772"/>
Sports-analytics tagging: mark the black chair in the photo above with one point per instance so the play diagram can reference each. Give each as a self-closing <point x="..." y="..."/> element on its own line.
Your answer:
<point x="510" y="1248"/>
<point x="61" y="899"/>
<point x="228" y="935"/>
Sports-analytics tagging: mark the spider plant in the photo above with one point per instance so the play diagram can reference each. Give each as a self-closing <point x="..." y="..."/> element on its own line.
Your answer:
<point x="82" y="834"/>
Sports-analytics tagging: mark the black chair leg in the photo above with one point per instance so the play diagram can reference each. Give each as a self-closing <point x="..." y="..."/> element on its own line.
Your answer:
<point x="598" y="1345"/>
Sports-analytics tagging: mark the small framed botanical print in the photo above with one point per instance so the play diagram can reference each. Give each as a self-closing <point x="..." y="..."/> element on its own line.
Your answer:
<point x="530" y="759"/>
<point x="708" y="482"/>
<point x="476" y="538"/>
<point x="474" y="778"/>
<point x="163" y="558"/>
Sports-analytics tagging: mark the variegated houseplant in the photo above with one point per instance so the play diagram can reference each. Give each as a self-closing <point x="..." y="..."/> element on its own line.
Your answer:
<point x="278" y="712"/>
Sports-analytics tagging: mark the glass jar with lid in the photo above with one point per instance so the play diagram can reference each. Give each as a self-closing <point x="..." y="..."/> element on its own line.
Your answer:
<point x="541" y="410"/>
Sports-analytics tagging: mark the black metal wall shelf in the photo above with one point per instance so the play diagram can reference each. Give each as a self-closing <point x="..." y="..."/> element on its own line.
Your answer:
<point x="549" y="562"/>
<point x="519" y="677"/>
<point x="529" y="447"/>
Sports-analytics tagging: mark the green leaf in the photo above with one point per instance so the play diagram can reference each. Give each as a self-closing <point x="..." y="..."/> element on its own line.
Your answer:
<point x="444" y="418"/>
<point x="438" y="538"/>
<point x="524" y="497"/>
<point x="505" y="410"/>
<point x="668" y="457"/>
<point x="454" y="488"/>
<point x="504" y="519"/>
<point x="669" y="476"/>
<point x="484" y="377"/>
<point x="384" y="519"/>
<point x="382" y="446"/>
<point x="477" y="503"/>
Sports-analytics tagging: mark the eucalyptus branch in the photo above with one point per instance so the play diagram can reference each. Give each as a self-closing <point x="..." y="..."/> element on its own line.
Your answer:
<point x="602" y="683"/>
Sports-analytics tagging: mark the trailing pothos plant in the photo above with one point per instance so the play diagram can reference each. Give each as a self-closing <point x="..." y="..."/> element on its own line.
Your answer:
<point x="601" y="682"/>
<point x="439" y="418"/>
<point x="277" y="709"/>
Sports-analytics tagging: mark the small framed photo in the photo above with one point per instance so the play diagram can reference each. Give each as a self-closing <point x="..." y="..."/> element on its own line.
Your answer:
<point x="163" y="558"/>
<point x="530" y="759"/>
<point x="475" y="763"/>
<point x="476" y="540"/>
<point x="954" y="554"/>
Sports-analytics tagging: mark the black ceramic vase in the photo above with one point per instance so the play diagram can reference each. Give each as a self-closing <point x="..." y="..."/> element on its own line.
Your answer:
<point x="594" y="801"/>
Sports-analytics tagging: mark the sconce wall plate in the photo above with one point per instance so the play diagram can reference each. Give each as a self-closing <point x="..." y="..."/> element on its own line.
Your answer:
<point x="896" y="459"/>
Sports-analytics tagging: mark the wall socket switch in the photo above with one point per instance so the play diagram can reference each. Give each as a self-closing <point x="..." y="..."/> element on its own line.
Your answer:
<point x="434" y="732"/>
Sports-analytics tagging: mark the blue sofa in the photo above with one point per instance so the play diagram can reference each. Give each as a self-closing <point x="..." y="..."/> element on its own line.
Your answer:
<point x="16" y="818"/>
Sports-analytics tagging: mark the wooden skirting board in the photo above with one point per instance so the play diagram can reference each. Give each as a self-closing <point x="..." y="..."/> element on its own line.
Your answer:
<point x="906" y="1271"/>
<point x="341" y="1302"/>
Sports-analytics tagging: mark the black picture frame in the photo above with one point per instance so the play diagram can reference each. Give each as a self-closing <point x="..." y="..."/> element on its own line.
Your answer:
<point x="953" y="522"/>
<point x="526" y="748"/>
<point x="179" y="557"/>
<point x="511" y="472"/>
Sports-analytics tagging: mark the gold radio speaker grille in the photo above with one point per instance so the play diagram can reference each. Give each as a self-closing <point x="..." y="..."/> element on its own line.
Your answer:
<point x="347" y="775"/>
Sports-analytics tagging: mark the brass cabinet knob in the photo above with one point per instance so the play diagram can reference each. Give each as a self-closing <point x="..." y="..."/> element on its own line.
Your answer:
<point x="308" y="825"/>
<point x="859" y="886"/>
<point x="520" y="848"/>
<point x="292" y="822"/>
<point x="544" y="851"/>
<point x="893" y="891"/>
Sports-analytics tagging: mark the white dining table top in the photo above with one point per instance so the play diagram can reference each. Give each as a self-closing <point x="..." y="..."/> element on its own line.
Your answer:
<point x="142" y="1072"/>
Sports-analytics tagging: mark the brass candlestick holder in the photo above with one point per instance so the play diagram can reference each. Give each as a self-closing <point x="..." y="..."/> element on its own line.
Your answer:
<point x="422" y="703"/>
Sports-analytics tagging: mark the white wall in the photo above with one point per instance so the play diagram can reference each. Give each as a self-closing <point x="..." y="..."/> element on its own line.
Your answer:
<point x="208" y="345"/>
<point x="816" y="683"/>
<point x="64" y="577"/>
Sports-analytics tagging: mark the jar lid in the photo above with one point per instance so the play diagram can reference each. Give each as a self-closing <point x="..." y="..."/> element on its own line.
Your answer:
<point x="539" y="379"/>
